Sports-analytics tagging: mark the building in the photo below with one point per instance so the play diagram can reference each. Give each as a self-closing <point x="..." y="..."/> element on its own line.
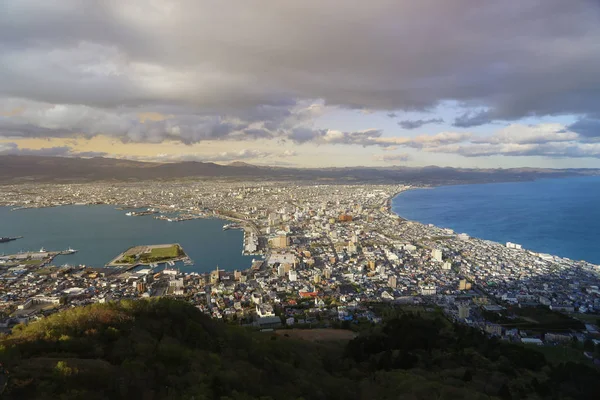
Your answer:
<point x="446" y="266"/>
<point x="327" y="273"/>
<point x="281" y="270"/>
<point x="436" y="254"/>
<point x="464" y="285"/>
<point x="464" y="310"/>
<point x="351" y="247"/>
<point x="345" y="218"/>
<point x="428" y="290"/>
<point x="371" y="265"/>
<point x="293" y="276"/>
<point x="493" y="329"/>
<point x="215" y="276"/>
<point x="280" y="241"/>
<point x="264" y="310"/>
<point x="392" y="281"/>
<point x="317" y="278"/>
<point x="141" y="286"/>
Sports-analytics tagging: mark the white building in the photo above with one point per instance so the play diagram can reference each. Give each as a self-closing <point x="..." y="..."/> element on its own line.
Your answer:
<point x="293" y="276"/>
<point x="436" y="254"/>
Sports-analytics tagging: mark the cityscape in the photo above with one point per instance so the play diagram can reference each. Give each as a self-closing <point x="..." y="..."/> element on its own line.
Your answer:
<point x="323" y="254"/>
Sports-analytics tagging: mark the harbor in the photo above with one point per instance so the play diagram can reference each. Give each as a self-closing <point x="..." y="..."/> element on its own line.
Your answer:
<point x="32" y="258"/>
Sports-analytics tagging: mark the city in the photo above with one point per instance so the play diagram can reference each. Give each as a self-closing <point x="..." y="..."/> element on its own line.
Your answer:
<point x="324" y="254"/>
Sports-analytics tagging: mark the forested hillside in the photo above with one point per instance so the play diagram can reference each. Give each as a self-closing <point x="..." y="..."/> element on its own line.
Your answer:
<point x="167" y="349"/>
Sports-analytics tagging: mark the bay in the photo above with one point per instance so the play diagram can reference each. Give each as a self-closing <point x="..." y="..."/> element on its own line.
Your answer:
<point x="100" y="233"/>
<point x="555" y="216"/>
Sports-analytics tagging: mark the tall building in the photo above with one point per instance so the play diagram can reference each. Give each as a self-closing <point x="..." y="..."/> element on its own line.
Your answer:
<point x="141" y="287"/>
<point x="436" y="254"/>
<point x="215" y="276"/>
<point x="371" y="265"/>
<point x="392" y="281"/>
<point x="317" y="278"/>
<point x="327" y="273"/>
<point x="293" y="276"/>
<point x="351" y="247"/>
<point x="281" y="270"/>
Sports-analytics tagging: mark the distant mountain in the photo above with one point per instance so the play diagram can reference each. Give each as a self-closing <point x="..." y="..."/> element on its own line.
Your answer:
<point x="21" y="169"/>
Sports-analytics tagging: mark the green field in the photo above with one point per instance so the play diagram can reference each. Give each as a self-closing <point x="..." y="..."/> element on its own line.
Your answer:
<point x="156" y="254"/>
<point x="31" y="262"/>
<point x="165" y="252"/>
<point x="162" y="253"/>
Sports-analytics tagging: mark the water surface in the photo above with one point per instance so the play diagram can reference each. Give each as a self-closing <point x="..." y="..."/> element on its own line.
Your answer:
<point x="100" y="233"/>
<point x="555" y="216"/>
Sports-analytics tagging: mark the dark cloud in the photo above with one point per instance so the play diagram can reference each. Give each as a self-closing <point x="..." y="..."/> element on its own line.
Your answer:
<point x="588" y="127"/>
<point x="510" y="58"/>
<point x="302" y="135"/>
<point x="470" y="119"/>
<point x="392" y="115"/>
<point x="414" y="124"/>
<point x="11" y="148"/>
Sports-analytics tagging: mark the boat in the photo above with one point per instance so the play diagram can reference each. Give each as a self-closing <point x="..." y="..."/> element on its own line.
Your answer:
<point x="129" y="214"/>
<point x="42" y="250"/>
<point x="9" y="239"/>
<point x="70" y="251"/>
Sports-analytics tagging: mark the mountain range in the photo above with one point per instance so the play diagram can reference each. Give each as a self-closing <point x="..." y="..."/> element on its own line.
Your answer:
<point x="23" y="169"/>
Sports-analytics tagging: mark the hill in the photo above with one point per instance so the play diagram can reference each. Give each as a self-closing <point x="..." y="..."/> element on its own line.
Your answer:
<point x="167" y="349"/>
<point x="19" y="169"/>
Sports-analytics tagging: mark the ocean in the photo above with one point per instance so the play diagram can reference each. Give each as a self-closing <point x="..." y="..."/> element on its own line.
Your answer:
<point x="555" y="216"/>
<point x="100" y="233"/>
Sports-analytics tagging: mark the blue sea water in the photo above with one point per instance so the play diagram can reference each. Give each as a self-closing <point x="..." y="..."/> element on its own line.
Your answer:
<point x="100" y="233"/>
<point x="555" y="216"/>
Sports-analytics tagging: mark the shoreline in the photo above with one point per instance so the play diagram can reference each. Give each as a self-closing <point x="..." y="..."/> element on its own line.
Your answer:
<point x="396" y="215"/>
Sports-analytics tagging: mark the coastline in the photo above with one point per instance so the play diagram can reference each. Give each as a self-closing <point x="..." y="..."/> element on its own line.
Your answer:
<point x="393" y="214"/>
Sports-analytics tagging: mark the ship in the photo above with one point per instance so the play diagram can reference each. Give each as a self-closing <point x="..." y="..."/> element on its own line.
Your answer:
<point x="9" y="239"/>
<point x="231" y="226"/>
<point x="70" y="251"/>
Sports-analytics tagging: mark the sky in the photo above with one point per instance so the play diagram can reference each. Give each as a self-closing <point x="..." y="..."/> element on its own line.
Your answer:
<point x="311" y="83"/>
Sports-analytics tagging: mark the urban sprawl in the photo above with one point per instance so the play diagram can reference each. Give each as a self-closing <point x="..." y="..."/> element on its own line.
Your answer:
<point x="325" y="254"/>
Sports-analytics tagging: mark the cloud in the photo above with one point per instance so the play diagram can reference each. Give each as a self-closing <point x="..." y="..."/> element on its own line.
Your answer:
<point x="392" y="158"/>
<point x="414" y="124"/>
<point x="425" y="141"/>
<point x="221" y="70"/>
<point x="543" y="140"/>
<point x="470" y="119"/>
<point x="392" y="115"/>
<point x="551" y="150"/>
<point x="58" y="151"/>
<point x="225" y="156"/>
<point x="587" y="127"/>
<point x="523" y="134"/>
